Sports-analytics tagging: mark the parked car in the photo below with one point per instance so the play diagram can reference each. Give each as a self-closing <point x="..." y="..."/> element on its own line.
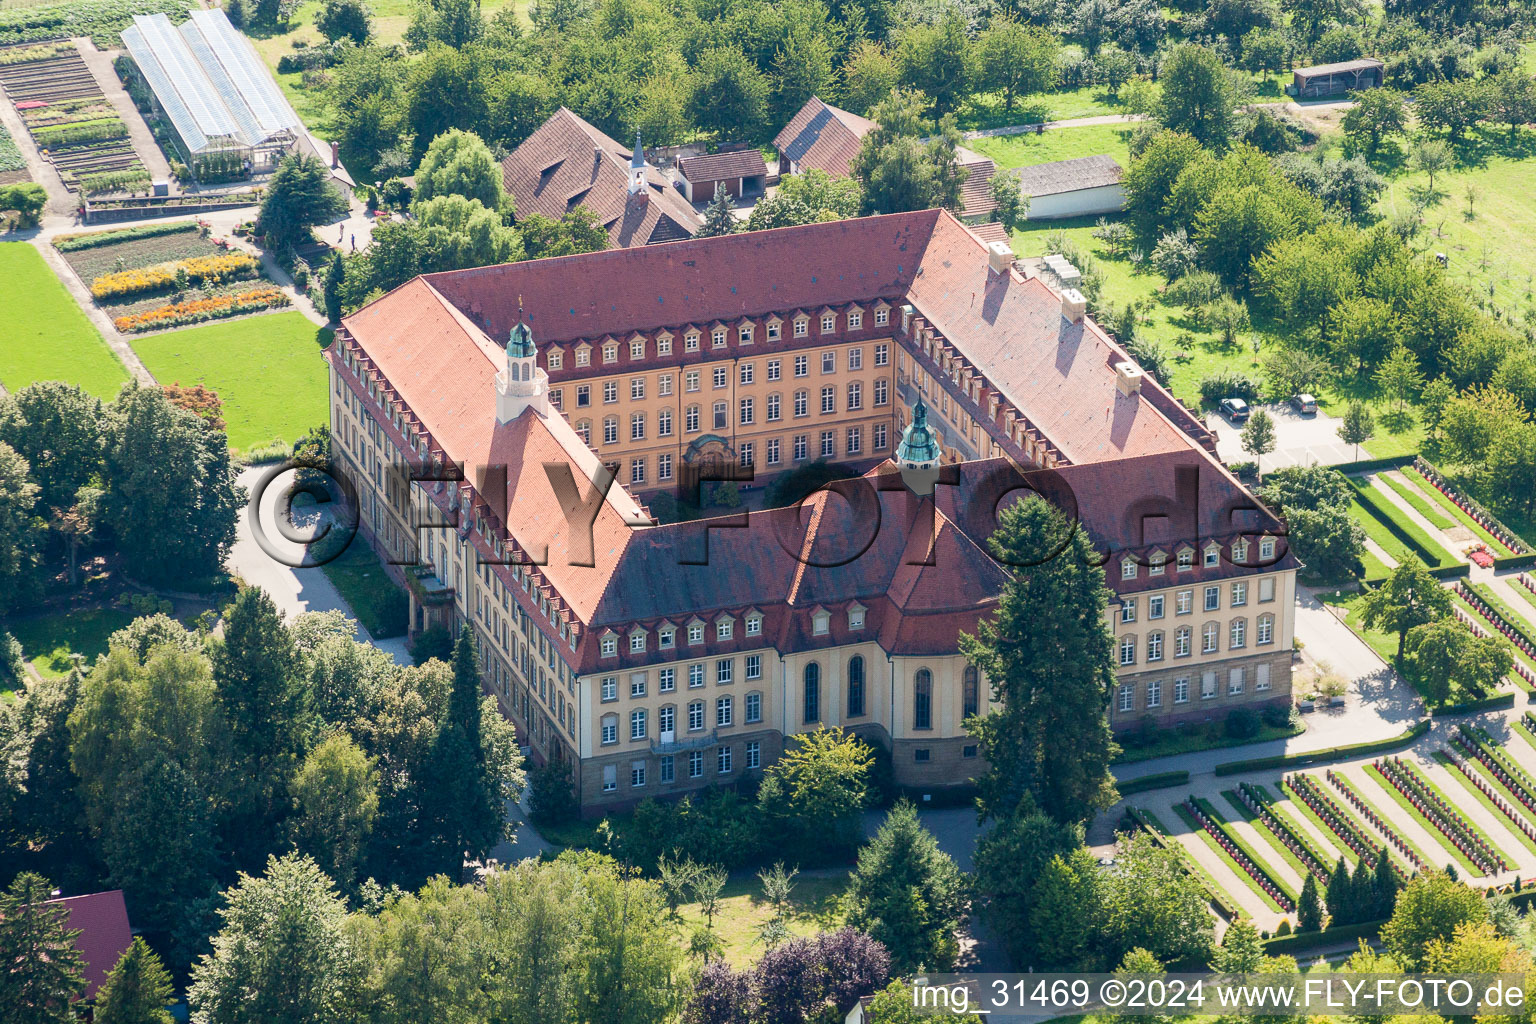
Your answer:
<point x="1304" y="404"/>
<point x="1235" y="410"/>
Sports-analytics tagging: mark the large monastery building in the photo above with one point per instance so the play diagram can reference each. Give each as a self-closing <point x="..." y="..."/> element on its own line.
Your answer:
<point x="656" y="659"/>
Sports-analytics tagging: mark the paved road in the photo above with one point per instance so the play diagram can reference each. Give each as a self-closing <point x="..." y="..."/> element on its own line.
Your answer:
<point x="294" y="591"/>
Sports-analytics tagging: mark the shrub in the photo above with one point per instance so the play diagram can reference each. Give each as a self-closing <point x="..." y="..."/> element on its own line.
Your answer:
<point x="26" y="198"/>
<point x="1278" y="716"/>
<point x="432" y="642"/>
<point x="1228" y="384"/>
<point x="13" y="670"/>
<point x="1242" y="723"/>
<point x="551" y="797"/>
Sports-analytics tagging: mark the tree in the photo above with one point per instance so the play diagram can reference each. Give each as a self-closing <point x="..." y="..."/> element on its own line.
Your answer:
<point x="1259" y="435"/>
<point x="901" y="171"/>
<point x="336" y="799"/>
<point x="1511" y="99"/>
<point x="299" y="196"/>
<point x="718" y="218"/>
<point x="1340" y="896"/>
<point x="1429" y="908"/>
<point x="1309" y="909"/>
<point x="868" y="76"/>
<point x="1357" y="426"/>
<point x="1399" y="378"/>
<point x="1048" y="738"/>
<point x="467" y="814"/>
<point x="281" y="954"/>
<point x="1375" y="114"/>
<point x="1444" y="654"/>
<point x="1012" y="204"/>
<point x="1016" y="59"/>
<point x="816" y="792"/>
<point x="345" y="19"/>
<point x="1315" y="503"/>
<point x="57" y="428"/>
<point x="907" y="894"/>
<point x="730" y="95"/>
<point x="335" y="281"/>
<point x="894" y="1005"/>
<point x="1386" y="885"/>
<point x="446" y="88"/>
<point x="44" y="970"/>
<point x="1410" y="597"/>
<point x="21" y="531"/>
<point x="458" y="163"/>
<point x="937" y="61"/>
<point x="454" y="23"/>
<point x="78" y="525"/>
<point x="1152" y="903"/>
<point x="1431" y="156"/>
<point x="1433" y="400"/>
<point x="1197" y="97"/>
<point x="576" y="231"/>
<point x="1452" y="106"/>
<point x="627" y="957"/>
<point x="811" y="196"/>
<point x="137" y="990"/>
<point x="1228" y="316"/>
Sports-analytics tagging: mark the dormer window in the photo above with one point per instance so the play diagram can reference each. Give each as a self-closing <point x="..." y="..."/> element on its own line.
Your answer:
<point x="754" y="625"/>
<point x="610" y="646"/>
<point x="555" y="359"/>
<point x="882" y="316"/>
<point x="1186" y="559"/>
<point x="1212" y="557"/>
<point x="637" y="349"/>
<point x="695" y="632"/>
<point x="664" y="344"/>
<point x="584" y="356"/>
<point x="744" y="334"/>
<point x="828" y="323"/>
<point x="802" y="326"/>
<point x="856" y="617"/>
<point x="821" y="623"/>
<point x="636" y="642"/>
<point x="666" y="638"/>
<point x="855" y="320"/>
<point x="773" y="330"/>
<point x="717" y="338"/>
<point x="1267" y="548"/>
<point x="691" y="341"/>
<point x="1240" y="550"/>
<point x="610" y="353"/>
<point x="1157" y="564"/>
<point x="725" y="629"/>
<point x="1128" y="569"/>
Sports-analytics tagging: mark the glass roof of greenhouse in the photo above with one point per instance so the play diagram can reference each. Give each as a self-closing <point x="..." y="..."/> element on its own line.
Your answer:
<point x="208" y="78"/>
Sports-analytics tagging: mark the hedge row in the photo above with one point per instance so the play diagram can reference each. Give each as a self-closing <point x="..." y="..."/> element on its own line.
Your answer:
<point x="1498" y="700"/>
<point x="1515" y="561"/>
<point x="1372" y="465"/>
<point x="1326" y="937"/>
<point x="1146" y="782"/>
<point x="93" y="239"/>
<point x="1399" y="526"/>
<point x="1323" y="756"/>
<point x="1231" y="911"/>
<point x="1451" y="572"/>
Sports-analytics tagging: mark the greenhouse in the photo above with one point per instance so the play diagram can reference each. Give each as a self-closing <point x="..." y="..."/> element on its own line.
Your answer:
<point x="227" y="113"/>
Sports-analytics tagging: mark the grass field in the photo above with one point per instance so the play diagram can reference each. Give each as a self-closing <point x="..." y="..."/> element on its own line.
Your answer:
<point x="1057" y="144"/>
<point x="359" y="577"/>
<point x="48" y="337"/>
<point x="48" y="641"/>
<point x="1446" y="846"/>
<point x="1454" y="512"/>
<point x="1482" y="798"/>
<point x="743" y="911"/>
<point x="267" y="369"/>
<point x="1384" y="644"/>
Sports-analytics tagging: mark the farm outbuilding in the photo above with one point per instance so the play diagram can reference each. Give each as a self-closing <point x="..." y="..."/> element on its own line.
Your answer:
<point x="1083" y="187"/>
<point x="227" y="111"/>
<point x="1336" y="79"/>
<point x="741" y="173"/>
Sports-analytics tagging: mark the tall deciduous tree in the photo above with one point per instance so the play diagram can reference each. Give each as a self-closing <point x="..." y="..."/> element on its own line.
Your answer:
<point x="1400" y="377"/>
<point x="1429" y="909"/>
<point x="1048" y="739"/>
<point x="21" y="531"/>
<point x="1016" y="59"/>
<point x="281" y="954"/>
<point x="938" y="61"/>
<point x="907" y="894"/>
<point x="1198" y="96"/>
<point x="336" y="799"/>
<point x="57" y="428"/>
<point x="172" y="499"/>
<point x="458" y="163"/>
<point x="898" y="169"/>
<point x="817" y="791"/>
<point x="137" y="990"/>
<point x="41" y="969"/>
<point x="730" y="96"/>
<point x="1410" y="597"/>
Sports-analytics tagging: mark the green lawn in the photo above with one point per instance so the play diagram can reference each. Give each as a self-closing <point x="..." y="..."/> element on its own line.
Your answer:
<point x="1423" y="820"/>
<point x="1056" y="144"/>
<point x="47" y="336"/>
<point x="379" y="603"/>
<point x="1417" y="501"/>
<point x="815" y="907"/>
<point x="1384" y="644"/>
<point x="1482" y="798"/>
<point x="1454" y="512"/>
<point x="1372" y="503"/>
<point x="266" y="368"/>
<point x="48" y="641"/>
<point x="1220" y="851"/>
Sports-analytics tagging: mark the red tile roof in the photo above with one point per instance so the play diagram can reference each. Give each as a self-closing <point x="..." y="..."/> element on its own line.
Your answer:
<point x="823" y="137"/>
<point x="567" y="163"/>
<point x="723" y="166"/>
<point x="989" y="231"/>
<point x="102" y="921"/>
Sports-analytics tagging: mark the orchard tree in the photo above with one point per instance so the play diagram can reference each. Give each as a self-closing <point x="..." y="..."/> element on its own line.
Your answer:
<point x="1016" y="59"/>
<point x="1375" y="115"/>
<point x="1357" y="425"/>
<point x="1410" y="597"/>
<point x="1198" y="96"/>
<point x="938" y="61"/>
<point x="1259" y="436"/>
<point x="345" y="19"/>
<point x="1048" y="739"/>
<point x="1399" y="378"/>
<point x="1012" y="205"/>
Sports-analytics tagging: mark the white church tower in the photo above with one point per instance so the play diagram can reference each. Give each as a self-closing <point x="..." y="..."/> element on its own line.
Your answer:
<point x="637" y="168"/>
<point x="521" y="384"/>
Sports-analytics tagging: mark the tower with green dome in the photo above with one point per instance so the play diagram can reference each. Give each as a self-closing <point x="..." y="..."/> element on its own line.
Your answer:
<point x="919" y="448"/>
<point x="521" y="383"/>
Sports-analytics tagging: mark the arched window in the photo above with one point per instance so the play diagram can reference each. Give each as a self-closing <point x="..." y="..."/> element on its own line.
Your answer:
<point x="813" y="692"/>
<point x="922" y="700"/>
<point x="970" y="693"/>
<point x="855" y="686"/>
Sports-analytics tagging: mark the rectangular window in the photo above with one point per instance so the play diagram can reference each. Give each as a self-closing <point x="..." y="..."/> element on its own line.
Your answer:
<point x="801" y="442"/>
<point x="773" y="451"/>
<point x="664" y="344"/>
<point x="1265" y="631"/>
<point x="1235" y="681"/>
<point x="664" y="467"/>
<point x="637" y="773"/>
<point x="720" y="415"/>
<point x="748" y="453"/>
<point x="1239" y="635"/>
<point x="802" y="363"/>
<point x="920" y="755"/>
<point x="1181" y="691"/>
<point x="1155" y="606"/>
<point x="882" y="351"/>
<point x="610" y="778"/>
<point x="691" y="419"/>
<point x="583" y="395"/>
<point x="747" y="411"/>
<point x="637" y="725"/>
<point x="773" y="330"/>
<point x="610" y="688"/>
<point x="720" y="378"/>
<point x="1155" y="694"/>
<point x="723" y="759"/>
<point x="1239" y="594"/>
<point x="610" y="392"/>
<point x="637" y="680"/>
<point x="636" y="388"/>
<point x="1183" y="602"/>
<point x="1208" y="639"/>
<point x="882" y="392"/>
<point x="802" y="327"/>
<point x="1212" y="598"/>
<point x="665" y="769"/>
<point x="855" y="440"/>
<point x="696" y="716"/>
<point x="744" y="334"/>
<point x="664" y="423"/>
<point x="637" y="471"/>
<point x="754" y="666"/>
<point x="723" y="712"/>
<point x="855" y="355"/>
<point x="1127" y="698"/>
<point x="725" y="670"/>
<point x="881" y="439"/>
<point x="773" y="408"/>
<point x="666" y="680"/>
<point x="828" y="323"/>
<point x="754" y="707"/>
<point x="637" y="350"/>
<point x="1261" y="677"/>
<point x="828" y="400"/>
<point x="1181" y="642"/>
<point x="1128" y="609"/>
<point x="1266" y="589"/>
<point x="828" y="444"/>
<point x="855" y="395"/>
<point x="691" y="380"/>
<point x="1155" y="647"/>
<point x="695" y="675"/>
<point x="695" y="764"/>
<point x="747" y="372"/>
<point x="1208" y="685"/>
<point x="754" y="754"/>
<point x="773" y="368"/>
<point x="610" y="730"/>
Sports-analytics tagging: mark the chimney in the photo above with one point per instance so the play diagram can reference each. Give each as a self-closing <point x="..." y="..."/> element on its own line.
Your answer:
<point x="1128" y="377"/>
<point x="999" y="257"/>
<point x="1073" y="305"/>
<point x="335" y="156"/>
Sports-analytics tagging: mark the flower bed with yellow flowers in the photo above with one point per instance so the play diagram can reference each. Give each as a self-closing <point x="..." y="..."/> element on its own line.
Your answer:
<point x="234" y="265"/>
<point x="179" y="314"/>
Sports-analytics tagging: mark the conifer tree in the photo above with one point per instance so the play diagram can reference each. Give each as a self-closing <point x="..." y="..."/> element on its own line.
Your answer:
<point x="901" y="862"/>
<point x="41" y="969"/>
<point x="1387" y="884"/>
<point x="1340" y="896"/>
<point x="718" y="218"/>
<point x="1362" y="887"/>
<point x="468" y="820"/>
<point x="1309" y="909"/>
<point x="137" y="990"/>
<point x="335" y="276"/>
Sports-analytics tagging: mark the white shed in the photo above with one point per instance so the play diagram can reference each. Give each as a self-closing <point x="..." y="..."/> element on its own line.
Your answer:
<point x="1084" y="187"/>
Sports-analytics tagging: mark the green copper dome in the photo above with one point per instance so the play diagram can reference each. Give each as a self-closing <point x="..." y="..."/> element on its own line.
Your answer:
<point x="918" y="445"/>
<point x="520" y="342"/>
